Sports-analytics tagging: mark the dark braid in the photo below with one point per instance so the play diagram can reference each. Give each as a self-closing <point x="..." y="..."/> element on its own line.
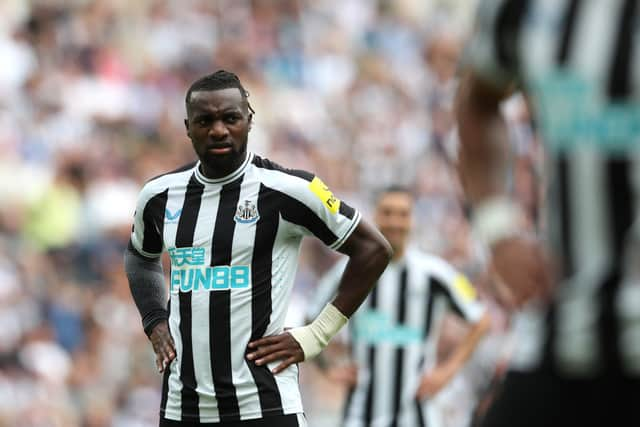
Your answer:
<point x="221" y="79"/>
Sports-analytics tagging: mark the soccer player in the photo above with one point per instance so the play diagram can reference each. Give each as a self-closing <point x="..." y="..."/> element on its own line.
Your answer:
<point x="232" y="223"/>
<point x="578" y="64"/>
<point x="393" y="335"/>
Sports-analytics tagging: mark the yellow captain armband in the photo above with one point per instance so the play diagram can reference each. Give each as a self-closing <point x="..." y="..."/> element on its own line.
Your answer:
<point x="463" y="286"/>
<point x="324" y="194"/>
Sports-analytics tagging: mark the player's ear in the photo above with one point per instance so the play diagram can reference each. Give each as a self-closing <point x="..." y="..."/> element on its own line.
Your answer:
<point x="186" y="126"/>
<point x="250" y="120"/>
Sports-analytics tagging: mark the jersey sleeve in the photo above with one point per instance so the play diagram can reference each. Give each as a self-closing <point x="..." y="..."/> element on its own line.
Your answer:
<point x="148" y="223"/>
<point x="491" y="52"/>
<point x="312" y="209"/>
<point x="459" y="292"/>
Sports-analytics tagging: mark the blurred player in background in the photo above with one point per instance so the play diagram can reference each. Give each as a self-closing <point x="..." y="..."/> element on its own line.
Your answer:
<point x="578" y="63"/>
<point x="393" y="336"/>
<point x="232" y="224"/>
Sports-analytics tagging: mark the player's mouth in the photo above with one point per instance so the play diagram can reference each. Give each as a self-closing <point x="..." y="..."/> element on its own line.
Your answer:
<point x="219" y="149"/>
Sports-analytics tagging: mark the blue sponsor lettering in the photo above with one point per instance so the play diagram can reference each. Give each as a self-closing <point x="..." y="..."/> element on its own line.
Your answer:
<point x="220" y="277"/>
<point x="374" y="327"/>
<point x="203" y="278"/>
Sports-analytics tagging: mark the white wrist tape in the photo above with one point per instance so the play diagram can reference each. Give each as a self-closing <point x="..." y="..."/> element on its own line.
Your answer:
<point x="315" y="336"/>
<point x="495" y="219"/>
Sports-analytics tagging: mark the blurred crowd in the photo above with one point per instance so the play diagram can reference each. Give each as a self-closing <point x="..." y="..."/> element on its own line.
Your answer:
<point x="92" y="105"/>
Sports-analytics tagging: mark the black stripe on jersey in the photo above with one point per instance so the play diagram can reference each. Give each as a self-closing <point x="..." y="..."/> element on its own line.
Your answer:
<point x="346" y="210"/>
<point x="562" y="163"/>
<point x="420" y="415"/>
<point x="153" y="219"/>
<point x="184" y="238"/>
<point x="508" y="31"/>
<point x="178" y="170"/>
<point x="437" y="289"/>
<point x="268" y="164"/>
<point x="266" y="230"/>
<point x="568" y="24"/>
<point x="368" y="405"/>
<point x="165" y="376"/>
<point x="620" y="77"/>
<point x="347" y="403"/>
<point x="298" y="213"/>
<point x="399" y="374"/>
<point x="620" y="203"/>
<point x="258" y="161"/>
<point x="620" y="222"/>
<point x="220" y="306"/>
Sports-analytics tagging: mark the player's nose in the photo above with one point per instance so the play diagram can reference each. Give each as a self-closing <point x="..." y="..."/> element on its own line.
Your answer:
<point x="218" y="130"/>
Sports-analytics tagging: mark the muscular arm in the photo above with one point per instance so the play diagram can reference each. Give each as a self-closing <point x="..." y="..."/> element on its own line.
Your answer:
<point x="369" y="253"/>
<point x="483" y="153"/>
<point x="519" y="261"/>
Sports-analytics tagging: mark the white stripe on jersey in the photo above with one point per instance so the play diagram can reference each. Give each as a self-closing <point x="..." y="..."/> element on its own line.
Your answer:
<point x="200" y="323"/>
<point x="175" y="200"/>
<point x="593" y="49"/>
<point x="240" y="311"/>
<point x="384" y="373"/>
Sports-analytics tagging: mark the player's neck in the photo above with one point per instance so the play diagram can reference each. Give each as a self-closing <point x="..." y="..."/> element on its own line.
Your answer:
<point x="398" y="254"/>
<point x="220" y="170"/>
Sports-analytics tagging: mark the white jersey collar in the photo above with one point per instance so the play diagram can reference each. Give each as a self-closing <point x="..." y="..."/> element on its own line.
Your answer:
<point x="228" y="178"/>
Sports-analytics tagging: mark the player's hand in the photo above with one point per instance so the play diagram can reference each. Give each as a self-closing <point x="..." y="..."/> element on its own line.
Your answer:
<point x="433" y="381"/>
<point x="276" y="347"/>
<point x="520" y="264"/>
<point x="163" y="345"/>
<point x="344" y="374"/>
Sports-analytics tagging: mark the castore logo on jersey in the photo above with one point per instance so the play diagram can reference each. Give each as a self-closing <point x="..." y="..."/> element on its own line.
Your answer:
<point x="172" y="216"/>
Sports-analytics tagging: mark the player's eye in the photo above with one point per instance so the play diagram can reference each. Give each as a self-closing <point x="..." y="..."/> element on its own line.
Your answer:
<point x="203" y="121"/>
<point x="231" y="118"/>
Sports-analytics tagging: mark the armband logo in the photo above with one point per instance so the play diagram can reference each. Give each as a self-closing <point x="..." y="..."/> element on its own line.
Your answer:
<point x="323" y="193"/>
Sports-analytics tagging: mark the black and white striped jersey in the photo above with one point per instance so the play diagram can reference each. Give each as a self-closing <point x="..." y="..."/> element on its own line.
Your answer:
<point x="579" y="62"/>
<point x="233" y="244"/>
<point x="393" y="336"/>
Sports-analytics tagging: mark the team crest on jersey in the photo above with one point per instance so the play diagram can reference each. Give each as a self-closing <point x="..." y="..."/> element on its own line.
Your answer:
<point x="247" y="213"/>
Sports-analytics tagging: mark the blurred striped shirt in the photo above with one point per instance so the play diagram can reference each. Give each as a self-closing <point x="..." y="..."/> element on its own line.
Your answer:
<point x="579" y="62"/>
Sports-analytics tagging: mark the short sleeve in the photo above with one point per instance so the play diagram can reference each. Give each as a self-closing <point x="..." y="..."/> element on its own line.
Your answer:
<point x="148" y="222"/>
<point x="491" y="52"/>
<point x="460" y="293"/>
<point x="312" y="208"/>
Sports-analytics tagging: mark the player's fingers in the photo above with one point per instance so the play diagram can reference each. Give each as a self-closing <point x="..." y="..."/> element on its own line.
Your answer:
<point x="284" y="365"/>
<point x="159" y="363"/>
<point x="169" y="351"/>
<point x="266" y="349"/>
<point x="272" y="357"/>
<point x="265" y="341"/>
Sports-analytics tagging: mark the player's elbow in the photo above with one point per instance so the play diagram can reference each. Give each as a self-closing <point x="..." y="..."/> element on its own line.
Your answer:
<point x="367" y="245"/>
<point x="382" y="250"/>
